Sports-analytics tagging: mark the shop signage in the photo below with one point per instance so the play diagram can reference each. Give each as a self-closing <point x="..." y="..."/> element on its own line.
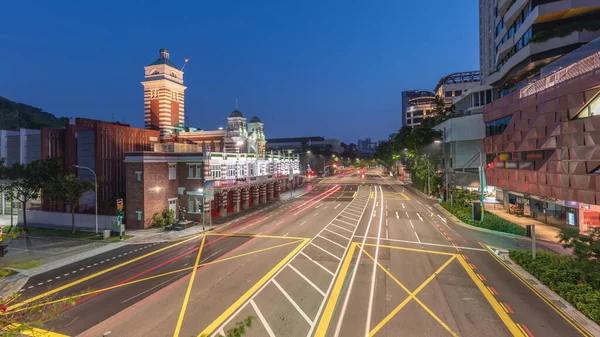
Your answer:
<point x="571" y="218"/>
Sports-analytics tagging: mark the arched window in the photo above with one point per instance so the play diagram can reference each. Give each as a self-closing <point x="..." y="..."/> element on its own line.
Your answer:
<point x="173" y="74"/>
<point x="154" y="72"/>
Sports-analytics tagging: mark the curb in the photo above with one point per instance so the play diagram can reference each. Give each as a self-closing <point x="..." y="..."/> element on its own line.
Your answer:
<point x="575" y="317"/>
<point x="66" y="261"/>
<point x="420" y="193"/>
<point x="458" y="222"/>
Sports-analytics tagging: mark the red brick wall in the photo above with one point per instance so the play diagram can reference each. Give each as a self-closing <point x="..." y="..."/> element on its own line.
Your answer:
<point x="154" y="120"/>
<point x="174" y="113"/>
<point x="135" y="201"/>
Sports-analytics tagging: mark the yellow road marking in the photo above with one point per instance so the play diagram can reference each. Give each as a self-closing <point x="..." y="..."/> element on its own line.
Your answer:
<point x="546" y="300"/>
<point x="404" y="195"/>
<point x="186" y="298"/>
<point x="510" y="324"/>
<point x="522" y="330"/>
<point x="154" y="276"/>
<point x="372" y="195"/>
<point x="34" y="331"/>
<point x="354" y="195"/>
<point x="372" y="332"/>
<point x="412" y="249"/>
<point x="411" y="296"/>
<point x="335" y="293"/>
<point x="261" y="236"/>
<point x="503" y="307"/>
<point x="55" y="290"/>
<point x="246" y="296"/>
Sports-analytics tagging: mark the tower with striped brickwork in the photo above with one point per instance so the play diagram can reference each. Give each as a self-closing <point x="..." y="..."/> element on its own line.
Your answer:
<point x="164" y="99"/>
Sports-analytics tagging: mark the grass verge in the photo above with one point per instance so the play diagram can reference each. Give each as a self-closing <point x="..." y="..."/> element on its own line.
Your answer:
<point x="492" y="221"/>
<point x="68" y="234"/>
<point x="6" y="273"/>
<point x="25" y="264"/>
<point x="577" y="281"/>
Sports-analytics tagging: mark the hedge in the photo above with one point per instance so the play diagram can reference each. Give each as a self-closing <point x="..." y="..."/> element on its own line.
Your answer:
<point x="492" y="221"/>
<point x="577" y="281"/>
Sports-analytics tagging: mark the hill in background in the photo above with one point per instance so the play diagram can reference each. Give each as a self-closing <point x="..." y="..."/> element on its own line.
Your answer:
<point x="14" y="116"/>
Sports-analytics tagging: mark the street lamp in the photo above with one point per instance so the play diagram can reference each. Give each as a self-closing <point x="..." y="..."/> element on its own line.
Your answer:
<point x="95" y="190"/>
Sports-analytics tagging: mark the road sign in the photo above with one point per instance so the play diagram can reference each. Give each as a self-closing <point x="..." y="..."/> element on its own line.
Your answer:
<point x="209" y="190"/>
<point x="119" y="204"/>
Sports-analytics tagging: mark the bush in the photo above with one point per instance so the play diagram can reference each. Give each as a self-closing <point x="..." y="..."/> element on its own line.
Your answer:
<point x="492" y="222"/>
<point x="573" y="279"/>
<point x="164" y="218"/>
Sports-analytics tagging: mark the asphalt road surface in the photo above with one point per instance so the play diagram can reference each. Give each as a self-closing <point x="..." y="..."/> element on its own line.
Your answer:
<point x="352" y="257"/>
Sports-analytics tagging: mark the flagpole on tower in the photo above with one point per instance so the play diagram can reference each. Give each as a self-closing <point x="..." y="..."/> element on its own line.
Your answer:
<point x="186" y="61"/>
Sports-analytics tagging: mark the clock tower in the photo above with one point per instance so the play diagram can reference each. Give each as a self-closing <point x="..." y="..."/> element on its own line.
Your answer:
<point x="164" y="100"/>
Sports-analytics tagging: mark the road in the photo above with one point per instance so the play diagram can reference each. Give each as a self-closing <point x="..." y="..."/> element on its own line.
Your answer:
<point x="352" y="257"/>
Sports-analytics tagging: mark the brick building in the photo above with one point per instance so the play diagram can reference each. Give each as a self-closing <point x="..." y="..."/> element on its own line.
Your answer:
<point x="101" y="146"/>
<point x="175" y="175"/>
<point x="543" y="146"/>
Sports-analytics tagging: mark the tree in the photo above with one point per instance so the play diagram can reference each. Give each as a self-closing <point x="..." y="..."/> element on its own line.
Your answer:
<point x="69" y="189"/>
<point x="24" y="182"/>
<point x="585" y="247"/>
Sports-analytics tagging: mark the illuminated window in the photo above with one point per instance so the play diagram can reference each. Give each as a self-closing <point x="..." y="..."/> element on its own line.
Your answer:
<point x="215" y="171"/>
<point x="592" y="109"/>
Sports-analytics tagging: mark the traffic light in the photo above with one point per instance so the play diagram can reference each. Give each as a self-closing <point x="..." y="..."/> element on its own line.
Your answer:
<point x="200" y="208"/>
<point x="120" y="214"/>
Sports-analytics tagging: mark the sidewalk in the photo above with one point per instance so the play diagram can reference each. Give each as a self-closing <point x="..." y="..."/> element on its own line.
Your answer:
<point x="542" y="231"/>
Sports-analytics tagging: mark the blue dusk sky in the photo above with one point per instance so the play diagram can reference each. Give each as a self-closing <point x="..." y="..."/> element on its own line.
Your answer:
<point x="306" y="68"/>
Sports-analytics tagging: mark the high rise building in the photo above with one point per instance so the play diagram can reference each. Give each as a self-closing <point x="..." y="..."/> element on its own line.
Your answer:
<point x="420" y="105"/>
<point x="451" y="87"/>
<point x="517" y="38"/>
<point x="405" y="96"/>
<point x="164" y="103"/>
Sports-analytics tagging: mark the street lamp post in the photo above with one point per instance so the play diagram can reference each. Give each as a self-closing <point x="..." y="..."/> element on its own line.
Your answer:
<point x="201" y="190"/>
<point x="95" y="190"/>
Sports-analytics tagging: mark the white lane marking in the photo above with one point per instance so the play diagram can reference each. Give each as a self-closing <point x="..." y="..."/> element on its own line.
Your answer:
<point x="353" y="277"/>
<point x="221" y="332"/>
<point x="80" y="269"/>
<point x="408" y="216"/>
<point x="386" y="213"/>
<point x="308" y="320"/>
<point x="428" y="206"/>
<point x="387" y="233"/>
<point x="95" y="264"/>
<point x="315" y="214"/>
<point x="312" y="243"/>
<point x="338" y="234"/>
<point x="336" y="206"/>
<point x="335" y="243"/>
<point x="280" y="222"/>
<point x="345" y="222"/>
<point x="303" y="222"/>
<point x="397" y="216"/>
<point x="424" y="243"/>
<point x="119" y="255"/>
<point x="307" y="280"/>
<point x="419" y="240"/>
<point x="403" y="205"/>
<point x="29" y="287"/>
<point x="67" y="274"/>
<point x="419" y="215"/>
<point x="347" y="217"/>
<point x="411" y="224"/>
<point x="41" y="283"/>
<point x="442" y="218"/>
<point x="318" y="264"/>
<point x="261" y="318"/>
<point x="353" y="212"/>
<point x="57" y="277"/>
<point x="286" y="234"/>
<point x="89" y="267"/>
<point x="319" y="205"/>
<point x="281" y="206"/>
<point x="347" y="230"/>
<point x="50" y="280"/>
<point x="374" y="273"/>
